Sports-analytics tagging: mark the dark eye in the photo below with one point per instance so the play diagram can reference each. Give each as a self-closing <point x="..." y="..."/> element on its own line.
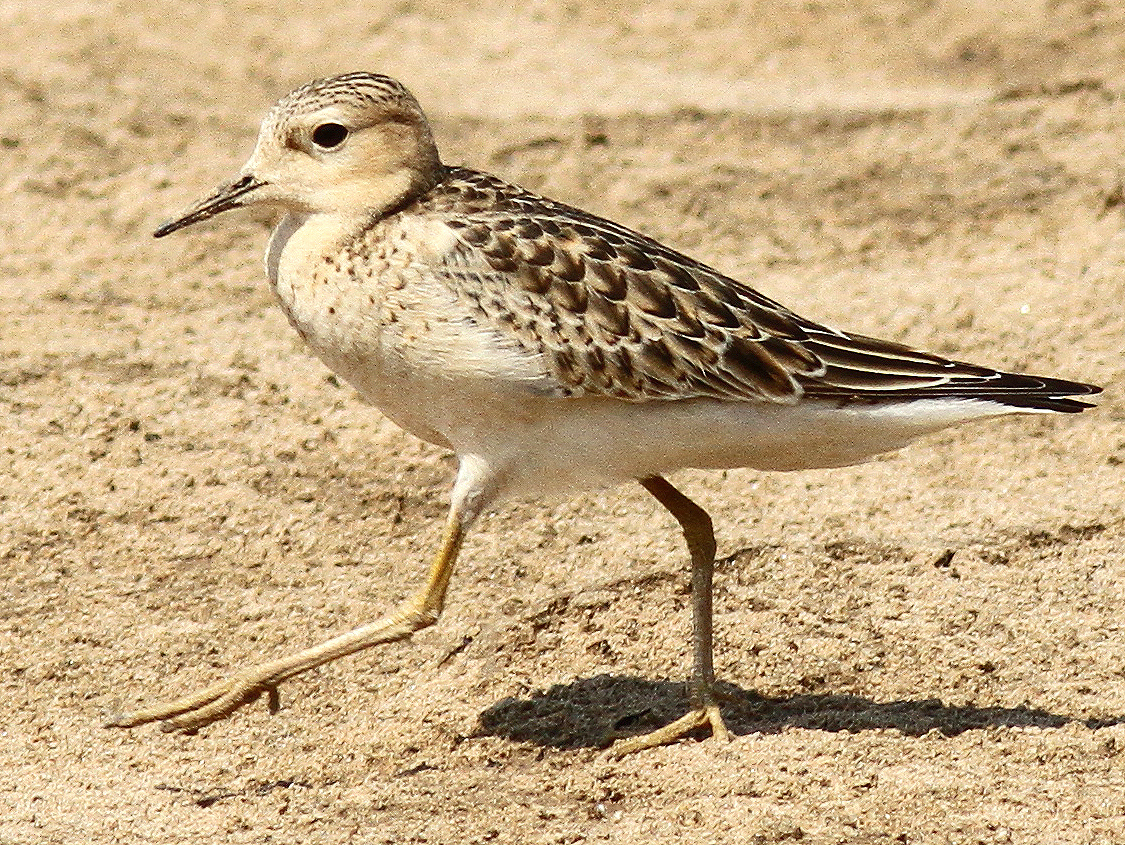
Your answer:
<point x="329" y="135"/>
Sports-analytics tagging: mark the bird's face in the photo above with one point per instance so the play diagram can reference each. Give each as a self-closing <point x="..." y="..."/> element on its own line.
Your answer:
<point x="352" y="144"/>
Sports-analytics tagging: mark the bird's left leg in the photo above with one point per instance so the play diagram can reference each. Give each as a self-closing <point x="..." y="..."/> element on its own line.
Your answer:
<point x="472" y="492"/>
<point x="700" y="536"/>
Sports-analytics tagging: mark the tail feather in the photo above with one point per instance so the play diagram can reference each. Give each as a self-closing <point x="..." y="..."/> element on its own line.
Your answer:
<point x="866" y="369"/>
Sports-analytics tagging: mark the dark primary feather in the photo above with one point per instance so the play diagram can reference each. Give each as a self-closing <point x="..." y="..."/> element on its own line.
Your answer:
<point x="615" y="313"/>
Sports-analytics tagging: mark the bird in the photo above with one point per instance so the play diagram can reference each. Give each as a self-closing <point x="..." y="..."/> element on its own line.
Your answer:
<point x="552" y="350"/>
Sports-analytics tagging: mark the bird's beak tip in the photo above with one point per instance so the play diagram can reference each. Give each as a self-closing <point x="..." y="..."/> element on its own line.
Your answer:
<point x="231" y="195"/>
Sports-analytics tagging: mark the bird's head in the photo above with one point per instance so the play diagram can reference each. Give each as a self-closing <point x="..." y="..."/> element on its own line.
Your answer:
<point x="355" y="144"/>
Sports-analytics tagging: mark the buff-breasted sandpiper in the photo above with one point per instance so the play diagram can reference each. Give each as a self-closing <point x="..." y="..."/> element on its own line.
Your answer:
<point x="552" y="350"/>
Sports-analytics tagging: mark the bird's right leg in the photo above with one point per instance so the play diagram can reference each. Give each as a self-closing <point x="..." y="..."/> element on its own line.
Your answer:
<point x="704" y="693"/>
<point x="472" y="491"/>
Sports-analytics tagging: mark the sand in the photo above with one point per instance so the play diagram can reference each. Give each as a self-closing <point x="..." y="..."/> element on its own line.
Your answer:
<point x="924" y="649"/>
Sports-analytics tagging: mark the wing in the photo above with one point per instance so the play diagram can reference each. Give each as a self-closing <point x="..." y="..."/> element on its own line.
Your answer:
<point x="615" y="313"/>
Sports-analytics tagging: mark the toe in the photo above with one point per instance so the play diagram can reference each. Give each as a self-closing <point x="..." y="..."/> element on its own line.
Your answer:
<point x="677" y="730"/>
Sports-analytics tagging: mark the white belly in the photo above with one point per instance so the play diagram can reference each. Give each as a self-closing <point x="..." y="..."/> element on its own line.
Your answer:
<point x="557" y="445"/>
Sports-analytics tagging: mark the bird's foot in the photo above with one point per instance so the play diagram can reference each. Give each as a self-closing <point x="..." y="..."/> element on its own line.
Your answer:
<point x="705" y="714"/>
<point x="201" y="708"/>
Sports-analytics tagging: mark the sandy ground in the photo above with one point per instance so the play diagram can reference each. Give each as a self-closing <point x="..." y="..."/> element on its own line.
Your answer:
<point x="924" y="649"/>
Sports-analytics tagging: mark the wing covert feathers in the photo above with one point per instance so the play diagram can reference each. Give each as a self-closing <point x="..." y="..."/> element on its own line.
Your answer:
<point x="615" y="313"/>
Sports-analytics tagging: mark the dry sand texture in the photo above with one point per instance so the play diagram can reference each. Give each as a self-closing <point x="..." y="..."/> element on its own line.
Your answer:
<point x="929" y="647"/>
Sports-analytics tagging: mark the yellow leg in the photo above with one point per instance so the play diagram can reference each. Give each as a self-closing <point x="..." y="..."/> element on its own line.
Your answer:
<point x="419" y="611"/>
<point x="700" y="536"/>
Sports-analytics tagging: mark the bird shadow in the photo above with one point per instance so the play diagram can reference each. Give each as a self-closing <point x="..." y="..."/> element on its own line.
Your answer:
<point x="594" y="712"/>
